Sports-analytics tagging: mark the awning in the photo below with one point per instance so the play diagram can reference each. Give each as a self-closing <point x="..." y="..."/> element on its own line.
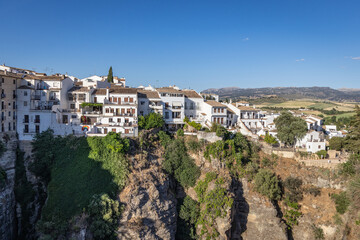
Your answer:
<point x="176" y="104"/>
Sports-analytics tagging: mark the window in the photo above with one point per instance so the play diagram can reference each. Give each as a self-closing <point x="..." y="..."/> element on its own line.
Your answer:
<point x="14" y="105"/>
<point x="2" y="105"/>
<point x="37" y="119"/>
<point x="14" y="94"/>
<point x="25" y="103"/>
<point x="110" y="120"/>
<point x="25" y="93"/>
<point x="2" y="80"/>
<point x="14" y="81"/>
<point x="131" y="100"/>
<point x="73" y="116"/>
<point x="119" y="120"/>
<point x="72" y="106"/>
<point x="142" y="102"/>
<point x="142" y="113"/>
<point x="9" y="126"/>
<point x="166" y="115"/>
<point x="9" y="114"/>
<point x="26" y="128"/>
<point x="14" y="126"/>
<point x="37" y="128"/>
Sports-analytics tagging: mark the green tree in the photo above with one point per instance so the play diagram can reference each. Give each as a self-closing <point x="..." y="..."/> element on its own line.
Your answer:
<point x="110" y="77"/>
<point x="352" y="141"/>
<point x="336" y="143"/>
<point x="270" y="139"/>
<point x="290" y="128"/>
<point x="267" y="184"/>
<point x="104" y="214"/>
<point x="152" y="120"/>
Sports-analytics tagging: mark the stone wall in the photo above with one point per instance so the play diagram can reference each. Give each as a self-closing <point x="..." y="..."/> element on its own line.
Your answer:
<point x="7" y="196"/>
<point x="208" y="136"/>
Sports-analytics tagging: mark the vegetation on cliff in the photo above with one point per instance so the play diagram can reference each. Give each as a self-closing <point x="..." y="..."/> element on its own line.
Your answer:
<point x="78" y="170"/>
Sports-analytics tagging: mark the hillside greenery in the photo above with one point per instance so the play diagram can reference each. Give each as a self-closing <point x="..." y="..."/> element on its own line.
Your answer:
<point x="178" y="163"/>
<point x="82" y="168"/>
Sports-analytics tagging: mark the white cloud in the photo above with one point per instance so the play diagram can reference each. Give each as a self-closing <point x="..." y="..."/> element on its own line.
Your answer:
<point x="355" y="58"/>
<point x="300" y="60"/>
<point x="246" y="39"/>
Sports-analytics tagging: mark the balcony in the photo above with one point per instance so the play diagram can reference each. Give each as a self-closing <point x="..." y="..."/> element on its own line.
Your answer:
<point x="42" y="108"/>
<point x="35" y="97"/>
<point x="106" y="101"/>
<point x="123" y="114"/>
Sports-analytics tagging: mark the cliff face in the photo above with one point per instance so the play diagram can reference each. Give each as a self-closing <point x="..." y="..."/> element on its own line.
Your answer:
<point x="7" y="196"/>
<point x="150" y="206"/>
<point x="254" y="216"/>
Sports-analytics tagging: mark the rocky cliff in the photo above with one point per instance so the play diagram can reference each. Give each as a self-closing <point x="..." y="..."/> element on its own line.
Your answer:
<point x="149" y="205"/>
<point x="7" y="196"/>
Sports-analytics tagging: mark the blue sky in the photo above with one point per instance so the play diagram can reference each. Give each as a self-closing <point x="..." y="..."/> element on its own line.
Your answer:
<point x="190" y="43"/>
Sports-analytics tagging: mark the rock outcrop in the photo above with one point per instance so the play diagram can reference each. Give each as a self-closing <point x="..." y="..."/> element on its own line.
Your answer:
<point x="150" y="206"/>
<point x="254" y="216"/>
<point x="7" y="196"/>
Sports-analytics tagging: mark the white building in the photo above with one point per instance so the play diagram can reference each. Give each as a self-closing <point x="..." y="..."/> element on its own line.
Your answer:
<point x="313" y="141"/>
<point x="215" y="112"/>
<point x="119" y="112"/>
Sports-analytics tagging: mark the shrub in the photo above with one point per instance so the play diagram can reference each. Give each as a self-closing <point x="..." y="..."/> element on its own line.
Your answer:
<point x="188" y="215"/>
<point x="292" y="214"/>
<point x="315" y="191"/>
<point x="251" y="170"/>
<point x="152" y="120"/>
<point x="216" y="203"/>
<point x="115" y="143"/>
<point x="165" y="139"/>
<point x="104" y="214"/>
<point x="352" y="166"/>
<point x="44" y="146"/>
<point x="267" y="184"/>
<point x="201" y="187"/>
<point x="265" y="162"/>
<point x="322" y="153"/>
<point x="178" y="163"/>
<point x="180" y="133"/>
<point x="189" y="210"/>
<point x="294" y="190"/>
<point x="354" y="192"/>
<point x="270" y="139"/>
<point x="337" y="219"/>
<point x="342" y="202"/>
<point x="336" y="143"/>
<point x="194" y="146"/>
<point x="318" y="232"/>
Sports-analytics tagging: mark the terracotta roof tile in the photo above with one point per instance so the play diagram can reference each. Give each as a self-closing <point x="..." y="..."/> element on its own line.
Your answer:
<point x="215" y="103"/>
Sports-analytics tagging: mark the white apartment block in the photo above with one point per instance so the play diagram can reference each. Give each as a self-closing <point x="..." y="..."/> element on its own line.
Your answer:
<point x="215" y="112"/>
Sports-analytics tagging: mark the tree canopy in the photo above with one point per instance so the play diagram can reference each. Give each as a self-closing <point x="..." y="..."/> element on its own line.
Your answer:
<point x="110" y="77"/>
<point x="290" y="128"/>
<point x="152" y="120"/>
<point x="352" y="141"/>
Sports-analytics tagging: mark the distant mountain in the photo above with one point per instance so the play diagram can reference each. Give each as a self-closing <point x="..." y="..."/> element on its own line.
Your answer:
<point x="344" y="94"/>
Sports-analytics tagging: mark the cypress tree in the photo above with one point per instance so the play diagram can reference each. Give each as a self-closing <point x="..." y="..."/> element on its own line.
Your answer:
<point x="110" y="75"/>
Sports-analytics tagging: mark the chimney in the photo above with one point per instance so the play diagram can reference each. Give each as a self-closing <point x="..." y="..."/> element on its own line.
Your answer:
<point x="107" y="93"/>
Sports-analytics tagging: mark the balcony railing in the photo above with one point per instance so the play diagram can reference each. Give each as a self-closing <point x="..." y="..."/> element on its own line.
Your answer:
<point x="37" y="121"/>
<point x="35" y="97"/>
<point x="124" y="114"/>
